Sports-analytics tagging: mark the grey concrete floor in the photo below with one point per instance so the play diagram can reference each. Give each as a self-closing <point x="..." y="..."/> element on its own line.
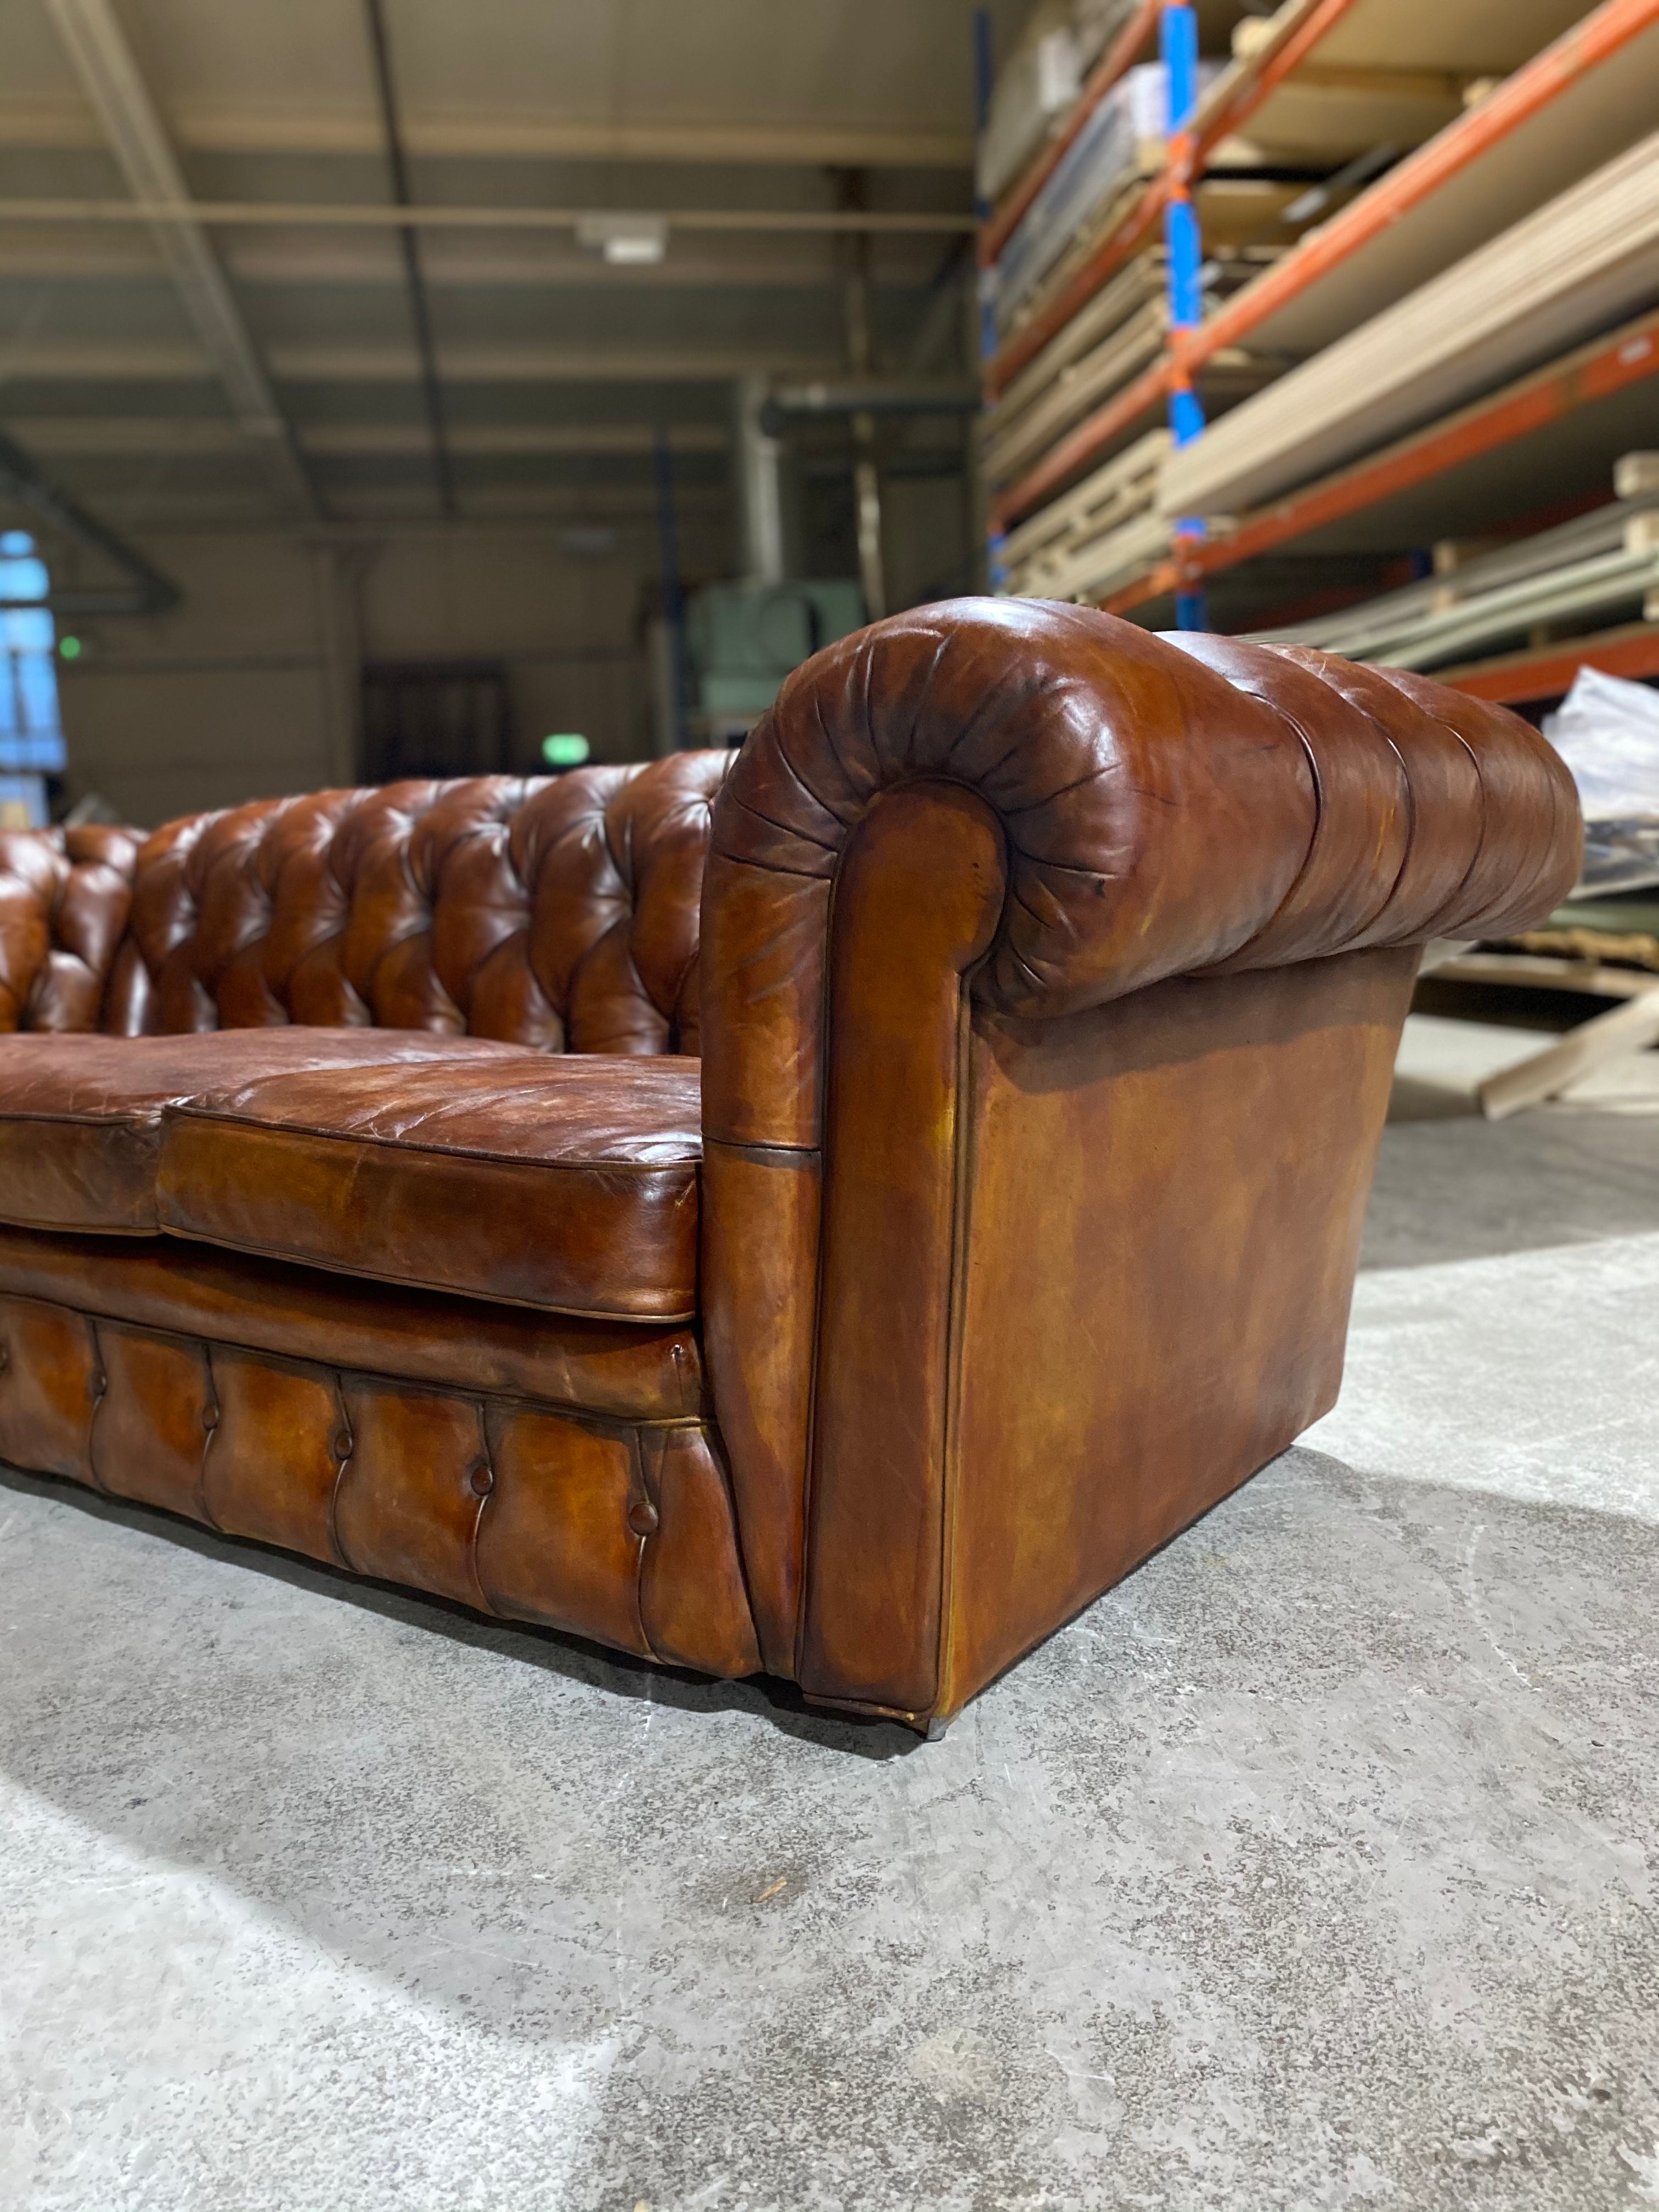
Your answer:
<point x="1313" y="1867"/>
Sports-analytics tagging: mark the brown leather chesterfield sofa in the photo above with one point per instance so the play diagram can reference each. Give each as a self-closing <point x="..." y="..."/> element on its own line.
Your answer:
<point x="391" y="1176"/>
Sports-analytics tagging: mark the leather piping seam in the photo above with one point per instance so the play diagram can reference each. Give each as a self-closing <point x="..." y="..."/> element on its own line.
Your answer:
<point x="687" y="1166"/>
<point x="677" y="1315"/>
<point x="343" y="1430"/>
<point x="636" y="1454"/>
<point x="203" y="1346"/>
<point x="822" y="1151"/>
<point x="145" y="1228"/>
<point x="962" y="1149"/>
<point x="100" y="1379"/>
<point x="486" y="1458"/>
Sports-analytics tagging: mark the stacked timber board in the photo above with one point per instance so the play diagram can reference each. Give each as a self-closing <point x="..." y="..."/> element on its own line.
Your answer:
<point x="1121" y="330"/>
<point x="1576" y="265"/>
<point x="1106" y="529"/>
<point x="1587" y="570"/>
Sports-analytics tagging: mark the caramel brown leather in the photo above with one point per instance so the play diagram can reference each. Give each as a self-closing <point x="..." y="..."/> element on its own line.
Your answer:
<point x="567" y="1183"/>
<point x="64" y="898"/>
<point x="607" y="1367"/>
<point x="1164" y="807"/>
<point x="81" y="1116"/>
<point x="617" y="1530"/>
<point x="1049" y="983"/>
<point x="560" y="912"/>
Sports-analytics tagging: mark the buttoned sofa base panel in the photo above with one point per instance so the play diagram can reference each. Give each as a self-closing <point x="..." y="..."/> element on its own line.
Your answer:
<point x="1046" y="977"/>
<point x="614" y="1528"/>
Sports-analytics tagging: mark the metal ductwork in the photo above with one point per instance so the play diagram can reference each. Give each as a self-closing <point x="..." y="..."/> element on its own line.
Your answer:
<point x="759" y="488"/>
<point x="876" y="396"/>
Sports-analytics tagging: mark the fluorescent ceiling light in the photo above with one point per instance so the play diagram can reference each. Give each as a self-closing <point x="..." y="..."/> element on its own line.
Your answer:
<point x="625" y="241"/>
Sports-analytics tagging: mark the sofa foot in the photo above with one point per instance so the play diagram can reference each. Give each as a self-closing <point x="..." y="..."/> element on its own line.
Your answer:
<point x="935" y="1731"/>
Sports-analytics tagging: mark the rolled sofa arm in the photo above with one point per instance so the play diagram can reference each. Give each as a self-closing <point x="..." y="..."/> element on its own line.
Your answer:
<point x="1018" y="811"/>
<point x="64" y="895"/>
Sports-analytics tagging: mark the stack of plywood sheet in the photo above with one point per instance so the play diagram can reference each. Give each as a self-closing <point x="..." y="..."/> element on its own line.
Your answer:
<point x="1120" y="146"/>
<point x="1116" y="336"/>
<point x="1585" y="571"/>
<point x="1387" y="47"/>
<point x="1082" y="545"/>
<point x="1572" y="267"/>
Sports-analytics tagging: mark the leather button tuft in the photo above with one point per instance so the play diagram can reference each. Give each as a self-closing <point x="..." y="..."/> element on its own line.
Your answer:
<point x="5" y="1358"/>
<point x="642" y="1517"/>
<point x="341" y="1446"/>
<point x="481" y="1480"/>
<point x="99" y="1385"/>
<point x="210" y="1417"/>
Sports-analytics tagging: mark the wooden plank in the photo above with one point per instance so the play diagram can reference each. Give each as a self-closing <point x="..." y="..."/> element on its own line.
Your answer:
<point x="1607" y="365"/>
<point x="1568" y="79"/>
<point x="1537" y="971"/>
<point x="1548" y="672"/>
<point x="1078" y="388"/>
<point x="1137" y="34"/>
<point x="1617" y="1035"/>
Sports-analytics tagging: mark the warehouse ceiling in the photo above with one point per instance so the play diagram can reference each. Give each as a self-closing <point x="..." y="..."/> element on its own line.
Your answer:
<point x="210" y="313"/>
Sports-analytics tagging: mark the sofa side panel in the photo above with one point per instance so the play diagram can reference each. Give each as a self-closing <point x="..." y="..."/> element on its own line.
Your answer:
<point x="1166" y="1204"/>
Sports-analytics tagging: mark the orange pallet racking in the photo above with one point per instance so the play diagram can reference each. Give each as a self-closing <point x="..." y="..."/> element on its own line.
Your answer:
<point x="1550" y="394"/>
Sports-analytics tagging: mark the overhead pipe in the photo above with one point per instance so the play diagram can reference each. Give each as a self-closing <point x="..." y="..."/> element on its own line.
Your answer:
<point x="760" y="490"/>
<point x="152" y="592"/>
<point x="871" y="396"/>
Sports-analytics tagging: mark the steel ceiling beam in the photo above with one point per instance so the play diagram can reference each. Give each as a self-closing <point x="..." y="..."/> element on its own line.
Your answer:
<point x="420" y="311"/>
<point x="110" y="76"/>
<point x="372" y="215"/>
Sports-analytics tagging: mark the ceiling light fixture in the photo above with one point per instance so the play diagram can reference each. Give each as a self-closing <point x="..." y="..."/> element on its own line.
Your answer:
<point x="630" y="241"/>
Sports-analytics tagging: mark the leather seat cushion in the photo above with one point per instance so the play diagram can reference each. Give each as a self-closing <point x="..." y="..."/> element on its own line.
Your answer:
<point x="80" y="1115"/>
<point x="566" y="1182"/>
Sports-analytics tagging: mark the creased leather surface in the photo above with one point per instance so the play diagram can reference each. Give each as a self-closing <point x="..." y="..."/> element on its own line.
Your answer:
<point x="80" y="1117"/>
<point x="65" y="898"/>
<point x="1171" y="804"/>
<point x="548" y="1181"/>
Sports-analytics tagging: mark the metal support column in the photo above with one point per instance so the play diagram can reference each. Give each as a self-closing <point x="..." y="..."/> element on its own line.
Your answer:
<point x="860" y="361"/>
<point x="991" y="536"/>
<point x="420" y="310"/>
<point x="673" y="610"/>
<point x="1183" y="250"/>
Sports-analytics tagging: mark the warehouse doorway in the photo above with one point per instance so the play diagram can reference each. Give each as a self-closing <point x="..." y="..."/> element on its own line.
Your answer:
<point x="429" y="718"/>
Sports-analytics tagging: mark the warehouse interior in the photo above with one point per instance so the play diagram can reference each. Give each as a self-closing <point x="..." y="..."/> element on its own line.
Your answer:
<point x="393" y="393"/>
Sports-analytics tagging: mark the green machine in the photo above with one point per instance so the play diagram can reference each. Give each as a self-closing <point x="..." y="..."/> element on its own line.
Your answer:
<point x="742" y="639"/>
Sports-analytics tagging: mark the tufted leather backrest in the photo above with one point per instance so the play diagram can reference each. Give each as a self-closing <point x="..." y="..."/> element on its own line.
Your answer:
<point x="560" y="912"/>
<point x="64" y="897"/>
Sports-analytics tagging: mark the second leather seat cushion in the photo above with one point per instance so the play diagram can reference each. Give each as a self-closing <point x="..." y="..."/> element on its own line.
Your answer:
<point x="80" y="1115"/>
<point x="567" y="1182"/>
